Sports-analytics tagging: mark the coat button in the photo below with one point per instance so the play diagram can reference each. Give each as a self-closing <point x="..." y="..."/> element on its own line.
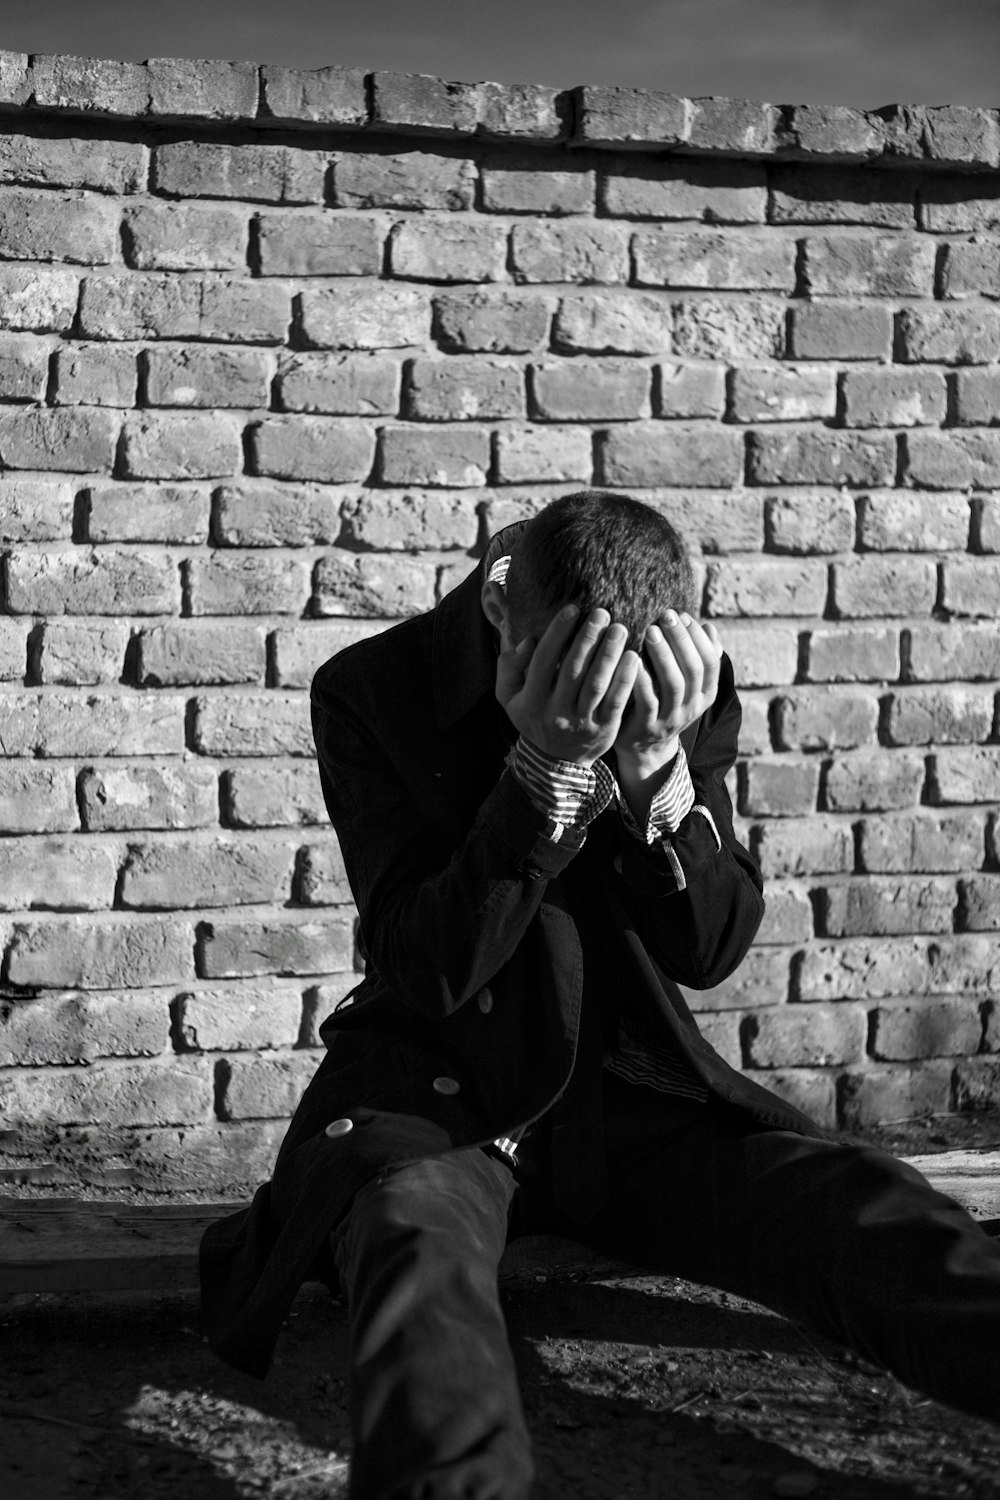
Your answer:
<point x="339" y="1127"/>
<point x="446" y="1085"/>
<point x="486" y="1000"/>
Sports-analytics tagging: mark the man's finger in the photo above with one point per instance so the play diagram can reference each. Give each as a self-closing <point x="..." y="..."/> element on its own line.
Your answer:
<point x="580" y="653"/>
<point x="601" y="668"/>
<point x="668" y="673"/>
<point x="620" y="687"/>
<point x="550" y="648"/>
<point x="706" y="643"/>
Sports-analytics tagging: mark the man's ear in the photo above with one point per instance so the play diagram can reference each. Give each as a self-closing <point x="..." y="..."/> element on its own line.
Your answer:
<point x="494" y="602"/>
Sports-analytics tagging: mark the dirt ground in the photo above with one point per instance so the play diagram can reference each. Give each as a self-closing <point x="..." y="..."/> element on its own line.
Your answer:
<point x="635" y="1388"/>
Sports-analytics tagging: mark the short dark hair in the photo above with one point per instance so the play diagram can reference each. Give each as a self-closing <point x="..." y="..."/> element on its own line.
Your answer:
<point x="597" y="549"/>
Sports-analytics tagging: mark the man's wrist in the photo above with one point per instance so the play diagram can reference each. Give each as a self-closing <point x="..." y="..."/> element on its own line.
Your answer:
<point x="646" y="765"/>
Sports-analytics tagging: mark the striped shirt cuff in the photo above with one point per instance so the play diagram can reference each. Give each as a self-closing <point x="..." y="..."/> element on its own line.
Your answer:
<point x="570" y="795"/>
<point x="670" y="806"/>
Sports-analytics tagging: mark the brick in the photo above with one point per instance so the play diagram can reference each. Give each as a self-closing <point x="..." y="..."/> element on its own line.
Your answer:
<point x="951" y="335"/>
<point x="307" y="244"/>
<point x="147" y="513"/>
<point x="841" y="330"/>
<point x="230" y="947"/>
<point x="410" y="179"/>
<point x="378" y="585"/>
<point x="191" y="874"/>
<point x="761" y="979"/>
<point x="809" y="523"/>
<point x="333" y="449"/>
<point x="78" y="1028"/>
<point x="256" y="174"/>
<point x="320" y="96"/>
<point x="253" y="724"/>
<point x="448" y="250"/>
<point x="788" y="916"/>
<point x="492" y="322"/>
<point x="204" y="375"/>
<point x="921" y="841"/>
<point x="590" y="390"/>
<point x="977" y="397"/>
<point x="823" y="456"/>
<point x="264" y="1087"/>
<point x="851" y="265"/>
<point x="871" y="586"/>
<point x="442" y="456"/>
<point x="817" y="195"/>
<point x="834" y="130"/>
<point x="539" y="455"/>
<point x="779" y="788"/>
<point x="765" y="586"/>
<point x="521" y="111"/>
<point x="730" y="261"/>
<point x="629" y="323"/>
<point x="607" y="115"/>
<point x="960" y="205"/>
<point x="13" y="650"/>
<point x="814" y="1093"/>
<point x="247" y="584"/>
<point x="36" y="798"/>
<point x="971" y="269"/>
<point x="321" y="877"/>
<point x="729" y="329"/>
<point x="583" y="252"/>
<point x="38" y="300"/>
<point x="904" y="521"/>
<point x="986" y="523"/>
<point x="526" y="189"/>
<point x="363" y="385"/>
<point x="721" y="1031"/>
<point x="971" y="586"/>
<point x="442" y="390"/>
<point x="153" y="305"/>
<point x="943" y="133"/>
<point x="976" y="1084"/>
<point x="255" y="515"/>
<point x="969" y="774"/>
<point x="894" y="397"/>
<point x="95" y="375"/>
<point x="185" y="236"/>
<point x="945" y="715"/>
<point x="35" y="510"/>
<point x="419" y="103"/>
<point x="942" y="652"/>
<point x="953" y="459"/>
<point x="178" y="1091"/>
<point x="867" y="781"/>
<point x="824" y="718"/>
<point x="181" y="445"/>
<point x="114" y="798"/>
<point x="82" y="654"/>
<point x="869" y="1098"/>
<point x="273" y="797"/>
<point x="741" y="127"/>
<point x="859" y="968"/>
<point x="755" y="730"/>
<point x="793" y="393"/>
<point x="864" y="653"/>
<point x="108" y="724"/>
<point x="193" y="653"/>
<point x="942" y="1028"/>
<point x="56" y="874"/>
<point x="16" y="82"/>
<point x="204" y="90"/>
<point x="24" y="368"/>
<point x="98" y="582"/>
<point x="820" y="1036"/>
<point x="762" y="655"/>
<point x="649" y="453"/>
<point x="706" y="192"/>
<point x="881" y="907"/>
<point x="365" y="316"/>
<point x="109" y="166"/>
<point x="239" y="1018"/>
<point x="120" y="952"/>
<point x="409" y="521"/>
<point x="979" y="898"/>
<point x="299" y="649"/>
<point x="689" y="391"/>
<point x="58" y="226"/>
<point x="74" y="440"/>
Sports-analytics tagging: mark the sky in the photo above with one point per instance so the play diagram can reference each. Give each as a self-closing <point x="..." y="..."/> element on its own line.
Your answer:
<point x="859" y="52"/>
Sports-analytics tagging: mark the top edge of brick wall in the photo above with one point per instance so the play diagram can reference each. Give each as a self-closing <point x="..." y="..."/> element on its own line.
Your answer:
<point x="597" y="116"/>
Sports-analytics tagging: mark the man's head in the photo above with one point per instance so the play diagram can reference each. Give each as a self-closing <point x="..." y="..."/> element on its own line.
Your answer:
<point x="596" y="550"/>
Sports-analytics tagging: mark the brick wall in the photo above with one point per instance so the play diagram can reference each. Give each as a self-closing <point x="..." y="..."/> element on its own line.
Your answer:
<point x="278" y="350"/>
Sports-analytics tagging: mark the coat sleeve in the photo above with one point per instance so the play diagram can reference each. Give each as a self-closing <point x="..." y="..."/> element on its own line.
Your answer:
<point x="699" y="926"/>
<point x="438" y="919"/>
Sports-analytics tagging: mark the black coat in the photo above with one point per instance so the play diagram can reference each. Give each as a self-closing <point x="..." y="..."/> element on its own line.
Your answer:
<point x="495" y="957"/>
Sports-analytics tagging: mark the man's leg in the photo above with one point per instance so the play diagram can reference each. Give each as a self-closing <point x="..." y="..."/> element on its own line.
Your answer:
<point x="847" y="1240"/>
<point x="435" y="1405"/>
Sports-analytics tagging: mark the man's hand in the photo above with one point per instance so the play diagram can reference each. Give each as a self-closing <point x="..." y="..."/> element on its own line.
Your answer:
<point x="567" y="694"/>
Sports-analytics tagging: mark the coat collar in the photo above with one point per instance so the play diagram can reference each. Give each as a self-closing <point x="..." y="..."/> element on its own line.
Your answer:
<point x="464" y="650"/>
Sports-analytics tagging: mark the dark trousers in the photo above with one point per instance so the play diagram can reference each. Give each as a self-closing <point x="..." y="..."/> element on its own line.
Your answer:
<point x="845" y="1240"/>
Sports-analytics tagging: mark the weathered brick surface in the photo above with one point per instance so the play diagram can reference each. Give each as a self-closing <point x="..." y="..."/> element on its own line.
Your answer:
<point x="279" y="348"/>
